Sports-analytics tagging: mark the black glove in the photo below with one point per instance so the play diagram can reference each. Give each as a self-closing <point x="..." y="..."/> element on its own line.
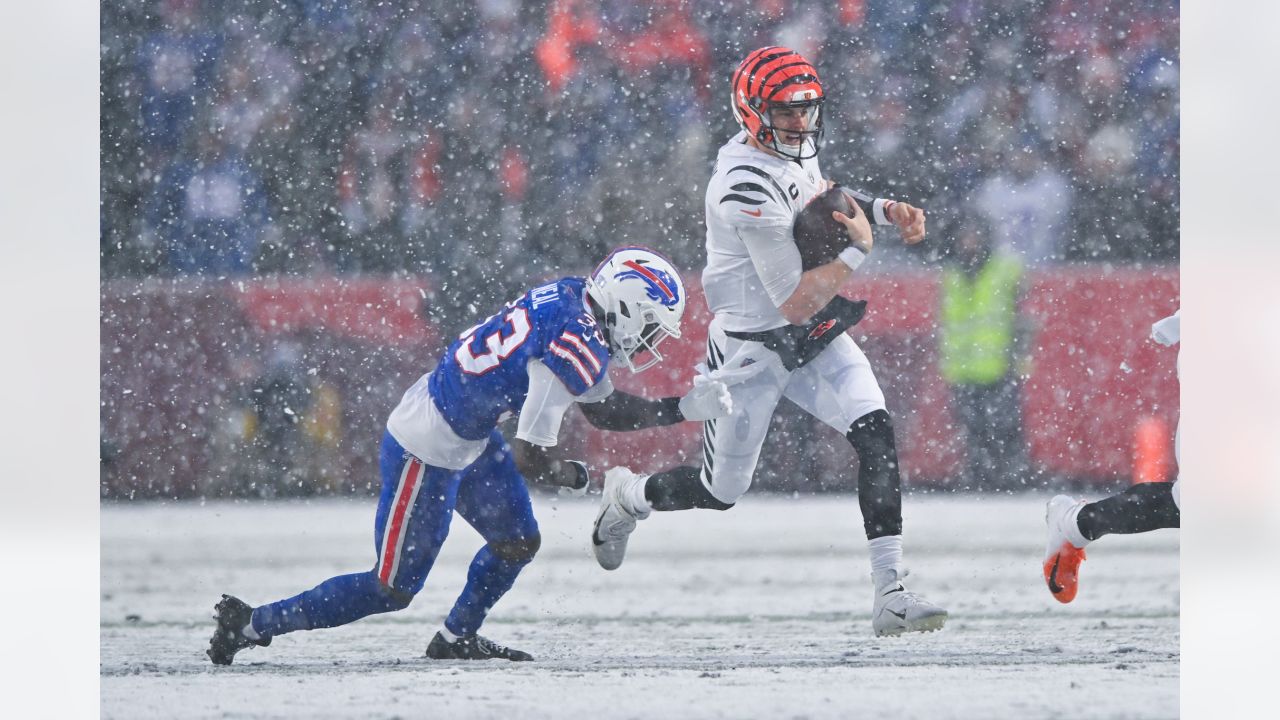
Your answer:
<point x="581" y="481"/>
<point x="798" y="344"/>
<point x="828" y="324"/>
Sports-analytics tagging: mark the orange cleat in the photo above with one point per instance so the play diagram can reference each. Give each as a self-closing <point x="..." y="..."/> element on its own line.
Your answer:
<point x="1065" y="549"/>
<point x="1062" y="572"/>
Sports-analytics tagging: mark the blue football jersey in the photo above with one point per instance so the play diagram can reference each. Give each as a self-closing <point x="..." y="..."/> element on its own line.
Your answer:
<point x="483" y="375"/>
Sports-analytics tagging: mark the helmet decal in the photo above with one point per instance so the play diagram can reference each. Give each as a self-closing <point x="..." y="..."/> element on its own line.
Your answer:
<point x="662" y="288"/>
<point x="639" y="301"/>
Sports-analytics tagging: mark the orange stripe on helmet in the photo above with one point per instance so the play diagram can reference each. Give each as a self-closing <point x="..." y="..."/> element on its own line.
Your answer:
<point x="737" y="74"/>
<point x="788" y="67"/>
<point x="761" y="65"/>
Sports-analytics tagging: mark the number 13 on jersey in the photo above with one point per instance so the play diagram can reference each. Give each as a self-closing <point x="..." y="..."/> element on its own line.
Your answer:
<point x="498" y="345"/>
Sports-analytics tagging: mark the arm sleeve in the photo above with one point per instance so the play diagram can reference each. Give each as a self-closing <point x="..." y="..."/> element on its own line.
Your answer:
<point x="775" y="257"/>
<point x="632" y="412"/>
<point x="544" y="406"/>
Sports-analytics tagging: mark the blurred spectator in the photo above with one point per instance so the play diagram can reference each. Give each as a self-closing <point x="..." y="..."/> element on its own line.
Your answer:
<point x="410" y="137"/>
<point x="982" y="338"/>
<point x="368" y="189"/>
<point x="1027" y="204"/>
<point x="209" y="212"/>
<point x="284" y="440"/>
<point x="176" y="65"/>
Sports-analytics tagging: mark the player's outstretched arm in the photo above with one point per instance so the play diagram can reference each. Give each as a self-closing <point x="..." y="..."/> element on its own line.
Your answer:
<point x="624" y="412"/>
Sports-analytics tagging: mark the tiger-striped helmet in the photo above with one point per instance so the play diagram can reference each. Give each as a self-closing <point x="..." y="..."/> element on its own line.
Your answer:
<point x="778" y="80"/>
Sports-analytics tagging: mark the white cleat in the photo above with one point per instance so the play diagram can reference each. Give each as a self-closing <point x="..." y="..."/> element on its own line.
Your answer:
<point x="617" y="517"/>
<point x="897" y="610"/>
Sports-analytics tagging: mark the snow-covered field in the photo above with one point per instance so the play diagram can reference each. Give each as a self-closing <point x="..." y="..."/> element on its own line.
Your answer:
<point x="759" y="612"/>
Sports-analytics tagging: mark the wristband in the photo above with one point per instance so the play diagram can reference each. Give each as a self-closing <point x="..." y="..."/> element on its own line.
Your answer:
<point x="880" y="211"/>
<point x="852" y="257"/>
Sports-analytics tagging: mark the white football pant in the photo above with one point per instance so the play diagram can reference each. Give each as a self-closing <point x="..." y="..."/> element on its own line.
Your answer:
<point x="837" y="387"/>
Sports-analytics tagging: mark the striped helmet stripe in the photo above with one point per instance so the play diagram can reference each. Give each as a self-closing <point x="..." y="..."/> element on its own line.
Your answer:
<point x="762" y="72"/>
<point x="737" y="76"/>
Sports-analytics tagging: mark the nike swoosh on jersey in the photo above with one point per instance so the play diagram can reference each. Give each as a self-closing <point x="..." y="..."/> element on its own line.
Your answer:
<point x="752" y="213"/>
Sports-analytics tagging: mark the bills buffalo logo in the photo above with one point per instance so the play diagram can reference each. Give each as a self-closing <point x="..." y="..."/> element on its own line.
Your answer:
<point x="822" y="329"/>
<point x="662" y="287"/>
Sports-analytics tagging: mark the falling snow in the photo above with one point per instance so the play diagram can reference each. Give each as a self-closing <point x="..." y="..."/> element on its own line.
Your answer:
<point x="302" y="204"/>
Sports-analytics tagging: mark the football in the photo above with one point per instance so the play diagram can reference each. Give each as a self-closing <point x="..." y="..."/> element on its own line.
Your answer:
<point x="819" y="236"/>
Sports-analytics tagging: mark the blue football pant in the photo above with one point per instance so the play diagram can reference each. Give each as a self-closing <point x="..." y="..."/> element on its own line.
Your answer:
<point x="414" y="510"/>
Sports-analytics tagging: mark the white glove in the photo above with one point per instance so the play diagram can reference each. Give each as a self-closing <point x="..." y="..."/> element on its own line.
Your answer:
<point x="708" y="399"/>
<point x="1167" y="331"/>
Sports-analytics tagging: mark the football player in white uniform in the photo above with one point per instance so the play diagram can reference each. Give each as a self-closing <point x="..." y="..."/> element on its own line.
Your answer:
<point x="762" y="297"/>
<point x="1142" y="508"/>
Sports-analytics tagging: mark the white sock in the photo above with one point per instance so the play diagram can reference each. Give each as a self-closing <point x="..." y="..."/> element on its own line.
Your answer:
<point x="886" y="553"/>
<point x="634" y="496"/>
<point x="1072" y="529"/>
<point x="250" y="633"/>
<point x="444" y="632"/>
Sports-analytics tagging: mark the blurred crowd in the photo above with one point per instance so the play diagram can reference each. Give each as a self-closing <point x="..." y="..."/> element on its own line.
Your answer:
<point x="453" y="138"/>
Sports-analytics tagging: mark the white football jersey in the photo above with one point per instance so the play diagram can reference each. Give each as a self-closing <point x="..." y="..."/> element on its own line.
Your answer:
<point x="753" y="265"/>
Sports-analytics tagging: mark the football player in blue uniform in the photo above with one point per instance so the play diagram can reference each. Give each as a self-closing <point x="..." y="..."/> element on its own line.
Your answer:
<point x="442" y="452"/>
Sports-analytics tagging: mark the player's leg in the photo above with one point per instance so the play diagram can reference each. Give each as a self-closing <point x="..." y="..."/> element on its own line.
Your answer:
<point x="411" y="524"/>
<point x="1073" y="524"/>
<point x="730" y="450"/>
<point x="731" y="444"/>
<point x="839" y="388"/>
<point x="493" y="499"/>
<point x="1141" y="508"/>
<point x="1158" y="504"/>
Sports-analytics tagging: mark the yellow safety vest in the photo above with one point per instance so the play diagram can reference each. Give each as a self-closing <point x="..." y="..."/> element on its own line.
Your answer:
<point x="977" y="321"/>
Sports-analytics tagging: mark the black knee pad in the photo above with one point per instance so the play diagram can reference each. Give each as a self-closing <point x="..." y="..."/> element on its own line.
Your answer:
<point x="872" y="434"/>
<point x="519" y="551"/>
<point x="879" y="482"/>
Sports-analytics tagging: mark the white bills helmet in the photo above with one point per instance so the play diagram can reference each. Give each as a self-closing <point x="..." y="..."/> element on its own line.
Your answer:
<point x="641" y="299"/>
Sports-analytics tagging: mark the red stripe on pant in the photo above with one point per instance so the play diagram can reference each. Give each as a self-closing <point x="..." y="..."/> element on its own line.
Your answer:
<point x="399" y="513"/>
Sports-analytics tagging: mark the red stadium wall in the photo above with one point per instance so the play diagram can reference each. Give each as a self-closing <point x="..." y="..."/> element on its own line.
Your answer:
<point x="1094" y="376"/>
<point x="176" y="357"/>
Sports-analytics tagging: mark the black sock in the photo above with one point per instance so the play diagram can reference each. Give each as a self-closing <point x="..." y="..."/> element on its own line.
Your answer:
<point x="680" y="488"/>
<point x="1141" y="508"/>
